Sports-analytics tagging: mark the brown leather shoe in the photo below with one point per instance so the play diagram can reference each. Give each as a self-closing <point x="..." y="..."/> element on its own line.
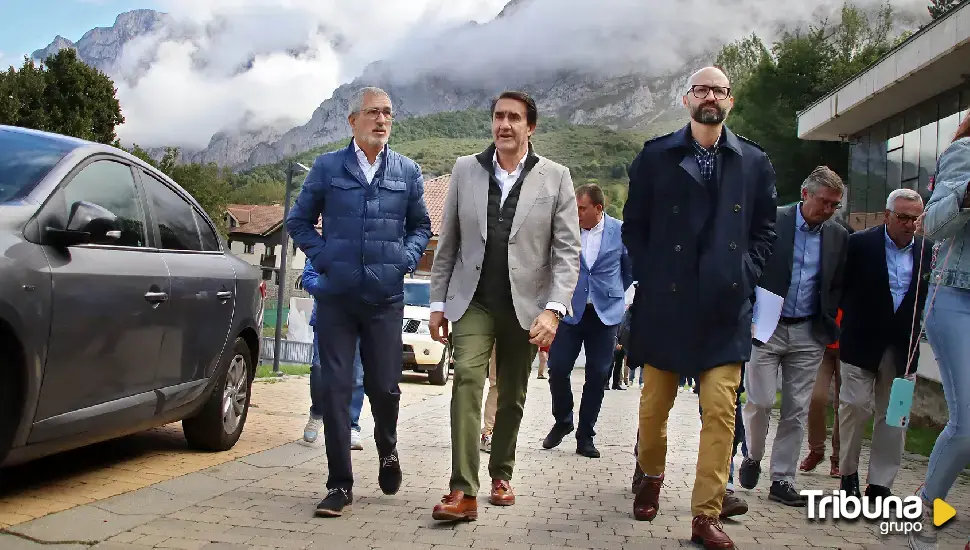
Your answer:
<point x="834" y="472"/>
<point x="455" y="506"/>
<point x="733" y="505"/>
<point x="811" y="461"/>
<point x="709" y="532"/>
<point x="502" y="494"/>
<point x="647" y="502"/>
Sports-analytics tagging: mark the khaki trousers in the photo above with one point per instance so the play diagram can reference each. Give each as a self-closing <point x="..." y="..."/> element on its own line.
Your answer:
<point x="717" y="430"/>
<point x="817" y="432"/>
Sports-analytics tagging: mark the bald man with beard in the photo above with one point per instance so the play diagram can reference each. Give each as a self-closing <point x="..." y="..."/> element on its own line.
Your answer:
<point x="699" y="226"/>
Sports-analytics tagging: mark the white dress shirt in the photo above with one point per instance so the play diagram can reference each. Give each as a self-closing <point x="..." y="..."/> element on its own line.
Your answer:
<point x="369" y="170"/>
<point x="506" y="180"/>
<point x="591" y="241"/>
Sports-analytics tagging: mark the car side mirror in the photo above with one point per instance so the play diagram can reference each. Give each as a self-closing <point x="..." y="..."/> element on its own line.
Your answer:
<point x="87" y="223"/>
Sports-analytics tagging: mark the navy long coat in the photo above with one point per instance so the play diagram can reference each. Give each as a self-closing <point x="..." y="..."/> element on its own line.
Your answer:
<point x="693" y="305"/>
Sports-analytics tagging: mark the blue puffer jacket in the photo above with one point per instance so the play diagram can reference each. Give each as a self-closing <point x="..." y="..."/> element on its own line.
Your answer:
<point x="373" y="234"/>
<point x="311" y="283"/>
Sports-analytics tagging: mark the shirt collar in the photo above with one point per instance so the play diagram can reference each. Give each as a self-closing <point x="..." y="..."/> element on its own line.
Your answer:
<point x="801" y="224"/>
<point x="362" y="155"/>
<point x="599" y="225"/>
<point x="892" y="243"/>
<point x="518" y="167"/>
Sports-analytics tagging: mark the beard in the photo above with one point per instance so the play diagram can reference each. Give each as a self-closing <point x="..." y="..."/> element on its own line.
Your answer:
<point x="708" y="113"/>
<point x="377" y="141"/>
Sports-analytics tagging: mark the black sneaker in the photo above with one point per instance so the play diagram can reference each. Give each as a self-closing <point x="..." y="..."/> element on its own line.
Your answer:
<point x="749" y="473"/>
<point x="785" y="493"/>
<point x="334" y="505"/>
<point x="587" y="449"/>
<point x="389" y="475"/>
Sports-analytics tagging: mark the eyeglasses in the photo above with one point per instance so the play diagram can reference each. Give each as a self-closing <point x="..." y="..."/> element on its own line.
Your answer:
<point x="375" y="113"/>
<point x="905" y="218"/>
<point x="701" y="91"/>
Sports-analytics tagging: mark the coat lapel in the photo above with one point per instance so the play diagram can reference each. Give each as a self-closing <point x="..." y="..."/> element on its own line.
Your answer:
<point x="786" y="234"/>
<point x="531" y="186"/>
<point x="352" y="167"/>
<point x="881" y="276"/>
<point x="480" y="183"/>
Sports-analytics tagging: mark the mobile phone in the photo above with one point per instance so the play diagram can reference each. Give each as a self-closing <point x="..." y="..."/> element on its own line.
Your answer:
<point x="900" y="402"/>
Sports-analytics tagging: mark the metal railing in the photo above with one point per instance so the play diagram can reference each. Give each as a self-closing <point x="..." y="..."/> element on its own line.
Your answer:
<point x="290" y="351"/>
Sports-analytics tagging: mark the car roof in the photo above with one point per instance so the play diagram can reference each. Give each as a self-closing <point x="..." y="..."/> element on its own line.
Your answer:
<point x="86" y="148"/>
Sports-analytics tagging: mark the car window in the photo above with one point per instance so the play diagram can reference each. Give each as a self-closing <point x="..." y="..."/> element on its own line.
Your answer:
<point x="25" y="159"/>
<point x="417" y="294"/>
<point x="109" y="185"/>
<point x="174" y="216"/>
<point x="210" y="243"/>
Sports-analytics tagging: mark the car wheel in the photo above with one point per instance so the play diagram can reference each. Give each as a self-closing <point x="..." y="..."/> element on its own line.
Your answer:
<point x="218" y="425"/>
<point x="439" y="376"/>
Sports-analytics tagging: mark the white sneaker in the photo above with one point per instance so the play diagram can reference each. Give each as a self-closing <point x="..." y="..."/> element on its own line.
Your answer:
<point x="312" y="429"/>
<point x="925" y="539"/>
<point x="486" y="445"/>
<point x="356" y="444"/>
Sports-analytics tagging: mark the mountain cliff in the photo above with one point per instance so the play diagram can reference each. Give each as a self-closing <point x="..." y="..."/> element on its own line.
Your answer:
<point x="633" y="100"/>
<point x="102" y="47"/>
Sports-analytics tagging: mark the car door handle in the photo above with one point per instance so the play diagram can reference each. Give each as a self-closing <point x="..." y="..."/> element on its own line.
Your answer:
<point x="156" y="297"/>
<point x="224" y="295"/>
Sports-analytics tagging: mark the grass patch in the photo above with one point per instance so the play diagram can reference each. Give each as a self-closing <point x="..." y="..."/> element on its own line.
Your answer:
<point x="266" y="370"/>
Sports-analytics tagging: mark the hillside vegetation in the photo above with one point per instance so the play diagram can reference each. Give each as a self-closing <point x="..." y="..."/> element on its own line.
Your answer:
<point x="593" y="154"/>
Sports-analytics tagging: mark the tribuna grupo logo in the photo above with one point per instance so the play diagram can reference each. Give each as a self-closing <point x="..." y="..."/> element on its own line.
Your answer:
<point x="895" y="515"/>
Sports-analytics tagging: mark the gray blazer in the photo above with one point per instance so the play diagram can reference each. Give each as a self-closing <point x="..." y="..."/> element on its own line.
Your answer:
<point x="777" y="273"/>
<point x="543" y="246"/>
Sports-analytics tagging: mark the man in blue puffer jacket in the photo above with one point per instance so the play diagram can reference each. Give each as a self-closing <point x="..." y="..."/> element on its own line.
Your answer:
<point x="311" y="283"/>
<point x="375" y="230"/>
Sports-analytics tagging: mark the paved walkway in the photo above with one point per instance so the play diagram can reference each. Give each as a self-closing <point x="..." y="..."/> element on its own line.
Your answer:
<point x="266" y="499"/>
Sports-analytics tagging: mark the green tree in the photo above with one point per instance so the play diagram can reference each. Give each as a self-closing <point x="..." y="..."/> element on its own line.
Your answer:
<point x="804" y="66"/>
<point x="739" y="60"/>
<point x="938" y="8"/>
<point x="61" y="95"/>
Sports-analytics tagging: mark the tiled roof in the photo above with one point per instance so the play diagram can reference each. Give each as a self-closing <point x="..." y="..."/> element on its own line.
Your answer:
<point x="435" y="191"/>
<point x="256" y="219"/>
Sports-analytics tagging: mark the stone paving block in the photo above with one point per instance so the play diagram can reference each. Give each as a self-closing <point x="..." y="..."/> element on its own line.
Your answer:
<point x="84" y="523"/>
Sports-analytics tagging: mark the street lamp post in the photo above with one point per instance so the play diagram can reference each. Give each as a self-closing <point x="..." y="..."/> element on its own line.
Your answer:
<point x="284" y="238"/>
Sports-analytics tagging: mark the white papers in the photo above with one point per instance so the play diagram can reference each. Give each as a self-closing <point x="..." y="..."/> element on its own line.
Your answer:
<point x="767" y="311"/>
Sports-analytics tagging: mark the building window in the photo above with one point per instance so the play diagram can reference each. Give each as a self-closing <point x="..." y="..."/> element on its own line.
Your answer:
<point x="249" y="249"/>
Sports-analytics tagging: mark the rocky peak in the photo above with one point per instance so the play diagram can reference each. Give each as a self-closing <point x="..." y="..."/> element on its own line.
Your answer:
<point x="101" y="47"/>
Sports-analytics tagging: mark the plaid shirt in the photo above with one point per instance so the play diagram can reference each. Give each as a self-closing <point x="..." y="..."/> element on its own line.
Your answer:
<point x="707" y="159"/>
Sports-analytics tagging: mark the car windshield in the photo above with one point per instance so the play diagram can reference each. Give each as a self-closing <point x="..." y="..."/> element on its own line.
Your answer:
<point x="417" y="294"/>
<point x="25" y="159"/>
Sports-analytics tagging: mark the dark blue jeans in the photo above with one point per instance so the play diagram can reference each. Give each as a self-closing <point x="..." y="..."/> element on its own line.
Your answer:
<point x="599" y="341"/>
<point x="342" y="322"/>
<point x="316" y="380"/>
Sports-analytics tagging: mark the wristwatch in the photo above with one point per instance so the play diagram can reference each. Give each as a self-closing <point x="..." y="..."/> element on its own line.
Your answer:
<point x="557" y="313"/>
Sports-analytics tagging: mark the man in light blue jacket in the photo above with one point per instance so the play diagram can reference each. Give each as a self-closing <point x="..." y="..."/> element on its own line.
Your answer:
<point x="598" y="307"/>
<point x="311" y="283"/>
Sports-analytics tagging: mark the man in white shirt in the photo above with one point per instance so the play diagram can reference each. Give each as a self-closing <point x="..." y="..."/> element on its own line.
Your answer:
<point x="605" y="272"/>
<point x="370" y="200"/>
<point x="504" y="271"/>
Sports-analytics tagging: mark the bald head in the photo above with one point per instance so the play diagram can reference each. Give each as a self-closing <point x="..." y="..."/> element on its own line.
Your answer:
<point x="710" y="76"/>
<point x="708" y="97"/>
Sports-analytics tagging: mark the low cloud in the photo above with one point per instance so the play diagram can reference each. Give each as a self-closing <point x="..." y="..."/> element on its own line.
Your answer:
<point x="247" y="64"/>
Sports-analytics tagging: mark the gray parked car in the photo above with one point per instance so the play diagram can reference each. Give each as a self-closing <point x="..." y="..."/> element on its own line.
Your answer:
<point x="121" y="308"/>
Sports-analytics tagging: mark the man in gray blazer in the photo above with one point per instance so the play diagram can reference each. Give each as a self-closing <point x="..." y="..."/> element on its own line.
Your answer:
<point x="805" y="269"/>
<point x="504" y="272"/>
